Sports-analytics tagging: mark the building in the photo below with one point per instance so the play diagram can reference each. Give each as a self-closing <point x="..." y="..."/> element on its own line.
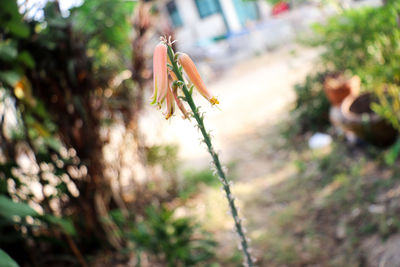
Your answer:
<point x="199" y="22"/>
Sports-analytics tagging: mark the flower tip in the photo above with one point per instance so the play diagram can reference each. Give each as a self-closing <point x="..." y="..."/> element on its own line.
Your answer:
<point x="214" y="100"/>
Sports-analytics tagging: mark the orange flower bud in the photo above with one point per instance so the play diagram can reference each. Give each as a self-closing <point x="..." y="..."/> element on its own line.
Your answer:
<point x="195" y="78"/>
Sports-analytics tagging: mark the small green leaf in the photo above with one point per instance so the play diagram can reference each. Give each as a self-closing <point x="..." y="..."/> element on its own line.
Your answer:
<point x="53" y="143"/>
<point x="6" y="260"/>
<point x="66" y="224"/>
<point x="392" y="155"/>
<point x="27" y="59"/>
<point x="11" y="19"/>
<point x="9" y="208"/>
<point x="10" y="77"/>
<point x="7" y="51"/>
<point x="18" y="29"/>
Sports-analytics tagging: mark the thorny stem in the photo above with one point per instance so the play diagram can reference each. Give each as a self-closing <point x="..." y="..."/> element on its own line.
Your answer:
<point x="221" y="174"/>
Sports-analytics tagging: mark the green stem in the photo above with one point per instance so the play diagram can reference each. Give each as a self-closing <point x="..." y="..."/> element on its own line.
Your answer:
<point x="214" y="155"/>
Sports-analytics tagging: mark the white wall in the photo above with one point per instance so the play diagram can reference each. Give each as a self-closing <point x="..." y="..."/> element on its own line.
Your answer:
<point x="232" y="19"/>
<point x="195" y="28"/>
<point x="210" y="26"/>
<point x="264" y="8"/>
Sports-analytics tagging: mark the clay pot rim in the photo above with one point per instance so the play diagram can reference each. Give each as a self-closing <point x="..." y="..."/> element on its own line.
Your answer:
<point x="354" y="117"/>
<point x="341" y="88"/>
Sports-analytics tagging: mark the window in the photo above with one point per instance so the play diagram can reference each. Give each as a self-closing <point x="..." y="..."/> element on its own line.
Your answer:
<point x="174" y="14"/>
<point x="207" y="7"/>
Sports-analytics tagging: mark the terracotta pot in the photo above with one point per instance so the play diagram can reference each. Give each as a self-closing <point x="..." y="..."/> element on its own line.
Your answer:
<point x="364" y="123"/>
<point x="337" y="87"/>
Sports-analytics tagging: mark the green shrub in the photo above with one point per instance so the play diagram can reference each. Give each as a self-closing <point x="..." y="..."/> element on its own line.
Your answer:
<point x="364" y="41"/>
<point x="311" y="109"/>
<point x="167" y="239"/>
<point x="388" y="105"/>
<point x="13" y="222"/>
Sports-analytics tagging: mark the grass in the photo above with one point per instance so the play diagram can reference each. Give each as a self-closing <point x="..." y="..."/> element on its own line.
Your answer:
<point x="335" y="201"/>
<point x="194" y="180"/>
<point x="324" y="212"/>
<point x="319" y="214"/>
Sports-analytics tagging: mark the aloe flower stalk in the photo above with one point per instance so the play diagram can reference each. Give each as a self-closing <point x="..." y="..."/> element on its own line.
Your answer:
<point x="194" y="76"/>
<point x="160" y="75"/>
<point x="179" y="83"/>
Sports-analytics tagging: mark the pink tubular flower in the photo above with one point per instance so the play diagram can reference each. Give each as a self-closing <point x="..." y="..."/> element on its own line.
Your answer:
<point x="160" y="75"/>
<point x="170" y="104"/>
<point x="195" y="78"/>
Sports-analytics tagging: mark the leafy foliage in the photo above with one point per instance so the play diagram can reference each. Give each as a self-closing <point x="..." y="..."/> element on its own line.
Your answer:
<point x="169" y="240"/>
<point x="104" y="23"/>
<point x="9" y="208"/>
<point x="311" y="107"/>
<point x="10" y="19"/>
<point x="14" y="215"/>
<point x="364" y="41"/>
<point x="172" y="238"/>
<point x="65" y="81"/>
<point x="388" y="105"/>
<point x="52" y="105"/>
<point x="6" y="260"/>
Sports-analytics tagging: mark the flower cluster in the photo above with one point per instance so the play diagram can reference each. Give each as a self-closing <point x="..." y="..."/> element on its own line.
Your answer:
<point x="166" y="82"/>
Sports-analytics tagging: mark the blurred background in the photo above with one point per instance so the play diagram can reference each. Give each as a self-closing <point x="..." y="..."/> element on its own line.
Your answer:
<point x="92" y="175"/>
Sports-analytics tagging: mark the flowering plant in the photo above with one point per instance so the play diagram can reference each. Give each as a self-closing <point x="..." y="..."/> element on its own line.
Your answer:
<point x="169" y="81"/>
